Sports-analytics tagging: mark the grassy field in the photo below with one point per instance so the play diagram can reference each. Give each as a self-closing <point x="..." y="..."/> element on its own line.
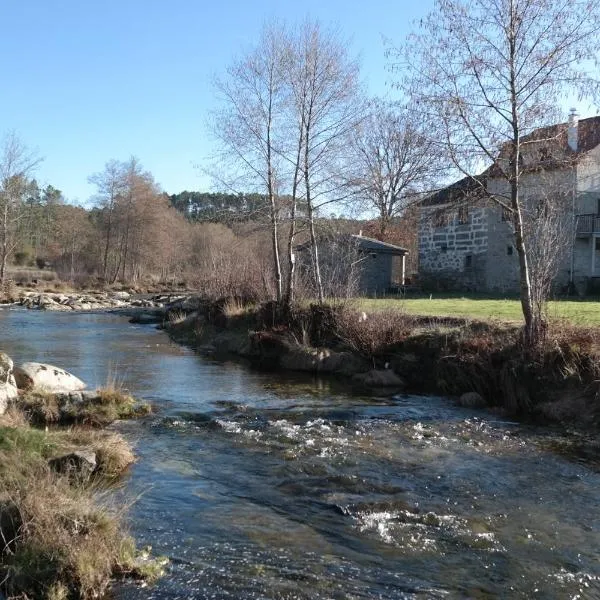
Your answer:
<point x="578" y="312"/>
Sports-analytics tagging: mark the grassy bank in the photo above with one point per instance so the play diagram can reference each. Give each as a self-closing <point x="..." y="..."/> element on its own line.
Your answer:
<point x="437" y="354"/>
<point x="61" y="536"/>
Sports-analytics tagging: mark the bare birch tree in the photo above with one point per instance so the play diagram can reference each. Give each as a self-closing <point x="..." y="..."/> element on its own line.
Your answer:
<point x="485" y="74"/>
<point x="253" y="94"/>
<point x="16" y="164"/>
<point x="327" y="106"/>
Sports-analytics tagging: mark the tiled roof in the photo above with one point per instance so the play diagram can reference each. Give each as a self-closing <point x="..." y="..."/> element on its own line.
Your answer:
<point x="459" y="191"/>
<point x="588" y="135"/>
<point x="556" y="136"/>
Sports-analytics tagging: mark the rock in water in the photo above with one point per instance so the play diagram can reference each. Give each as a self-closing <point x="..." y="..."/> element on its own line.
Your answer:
<point x="32" y="375"/>
<point x="472" y="400"/>
<point x="379" y="378"/>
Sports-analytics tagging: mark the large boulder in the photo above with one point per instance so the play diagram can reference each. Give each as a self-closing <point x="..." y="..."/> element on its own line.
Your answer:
<point x="40" y="376"/>
<point x="6" y="367"/>
<point x="8" y="394"/>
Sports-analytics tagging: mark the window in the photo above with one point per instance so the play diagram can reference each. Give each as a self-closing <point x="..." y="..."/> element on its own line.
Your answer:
<point x="506" y="214"/>
<point x="598" y="206"/>
<point x="544" y="154"/>
<point x="468" y="261"/>
<point x="443" y="248"/>
<point x="509" y="250"/>
<point x="597" y="244"/>
<point x="463" y="215"/>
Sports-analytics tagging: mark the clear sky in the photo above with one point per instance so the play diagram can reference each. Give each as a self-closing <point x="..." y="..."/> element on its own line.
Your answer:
<point x="85" y="81"/>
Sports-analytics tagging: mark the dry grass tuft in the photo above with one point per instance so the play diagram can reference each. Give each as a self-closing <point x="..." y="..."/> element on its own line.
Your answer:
<point x="236" y="307"/>
<point x="113" y="453"/>
<point x="60" y="538"/>
<point x="104" y="407"/>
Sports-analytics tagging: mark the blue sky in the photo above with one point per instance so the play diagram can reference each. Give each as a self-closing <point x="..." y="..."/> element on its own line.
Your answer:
<point x="87" y="81"/>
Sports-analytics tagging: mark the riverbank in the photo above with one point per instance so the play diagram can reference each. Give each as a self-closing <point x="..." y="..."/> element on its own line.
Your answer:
<point x="480" y="364"/>
<point x="61" y="535"/>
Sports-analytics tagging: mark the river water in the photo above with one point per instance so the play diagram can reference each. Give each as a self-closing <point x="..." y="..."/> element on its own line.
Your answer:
<point x="258" y="485"/>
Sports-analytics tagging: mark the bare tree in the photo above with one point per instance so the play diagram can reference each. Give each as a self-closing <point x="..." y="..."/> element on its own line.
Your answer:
<point x="288" y="106"/>
<point x="16" y="164"/>
<point x="110" y="186"/>
<point x="327" y="106"/>
<point x="393" y="163"/>
<point x="71" y="234"/>
<point x="485" y="74"/>
<point x="253" y="93"/>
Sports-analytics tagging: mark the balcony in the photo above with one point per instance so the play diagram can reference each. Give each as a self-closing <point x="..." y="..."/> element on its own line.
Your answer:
<point x="588" y="224"/>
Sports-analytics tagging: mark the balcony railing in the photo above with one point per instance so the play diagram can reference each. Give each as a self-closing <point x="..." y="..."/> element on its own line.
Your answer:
<point x="588" y="224"/>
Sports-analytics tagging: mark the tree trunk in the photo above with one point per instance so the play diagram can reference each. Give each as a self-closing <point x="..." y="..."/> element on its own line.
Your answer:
<point x="311" y="220"/>
<point x="532" y="324"/>
<point x="290" y="284"/>
<point x="4" y="250"/>
<point x="275" y="244"/>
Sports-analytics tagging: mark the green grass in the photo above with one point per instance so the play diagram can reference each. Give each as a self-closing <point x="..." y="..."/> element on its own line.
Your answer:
<point x="578" y="312"/>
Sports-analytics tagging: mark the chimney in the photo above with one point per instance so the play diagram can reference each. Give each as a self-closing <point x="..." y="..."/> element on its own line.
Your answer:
<point x="572" y="131"/>
<point x="360" y="233"/>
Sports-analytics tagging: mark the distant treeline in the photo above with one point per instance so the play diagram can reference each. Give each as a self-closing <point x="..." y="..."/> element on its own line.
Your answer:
<point x="220" y="207"/>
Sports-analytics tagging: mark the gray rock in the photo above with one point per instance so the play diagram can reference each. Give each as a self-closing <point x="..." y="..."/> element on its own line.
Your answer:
<point x="147" y="318"/>
<point x="121" y="295"/>
<point x="379" y="378"/>
<point x="472" y="400"/>
<point x="6" y="367"/>
<point x="32" y="375"/>
<point x="78" y="465"/>
<point x="8" y="389"/>
<point x="8" y="394"/>
<point x="54" y="306"/>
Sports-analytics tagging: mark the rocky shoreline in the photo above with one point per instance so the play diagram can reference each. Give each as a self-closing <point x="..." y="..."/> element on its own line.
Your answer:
<point x="477" y="364"/>
<point x="94" y="301"/>
<point x="55" y="456"/>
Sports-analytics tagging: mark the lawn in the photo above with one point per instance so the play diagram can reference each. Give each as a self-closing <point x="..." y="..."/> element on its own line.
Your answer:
<point x="578" y="312"/>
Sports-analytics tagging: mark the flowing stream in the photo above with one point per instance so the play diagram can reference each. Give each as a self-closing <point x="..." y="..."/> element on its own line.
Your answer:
<point x="261" y="485"/>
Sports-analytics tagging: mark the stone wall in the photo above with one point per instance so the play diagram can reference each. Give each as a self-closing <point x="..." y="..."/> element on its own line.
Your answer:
<point x="481" y="255"/>
<point x="375" y="275"/>
<point x="453" y="256"/>
<point x="502" y="273"/>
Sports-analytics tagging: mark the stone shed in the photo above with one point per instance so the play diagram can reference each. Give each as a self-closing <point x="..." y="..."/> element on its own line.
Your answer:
<point x="356" y="264"/>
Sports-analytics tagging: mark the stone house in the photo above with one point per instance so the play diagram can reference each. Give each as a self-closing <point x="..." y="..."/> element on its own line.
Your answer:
<point x="466" y="237"/>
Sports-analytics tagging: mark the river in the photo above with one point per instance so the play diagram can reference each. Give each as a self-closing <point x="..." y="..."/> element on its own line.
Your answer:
<point x="258" y="485"/>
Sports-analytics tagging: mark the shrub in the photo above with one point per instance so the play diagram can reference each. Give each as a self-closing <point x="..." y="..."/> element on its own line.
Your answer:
<point x="372" y="335"/>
